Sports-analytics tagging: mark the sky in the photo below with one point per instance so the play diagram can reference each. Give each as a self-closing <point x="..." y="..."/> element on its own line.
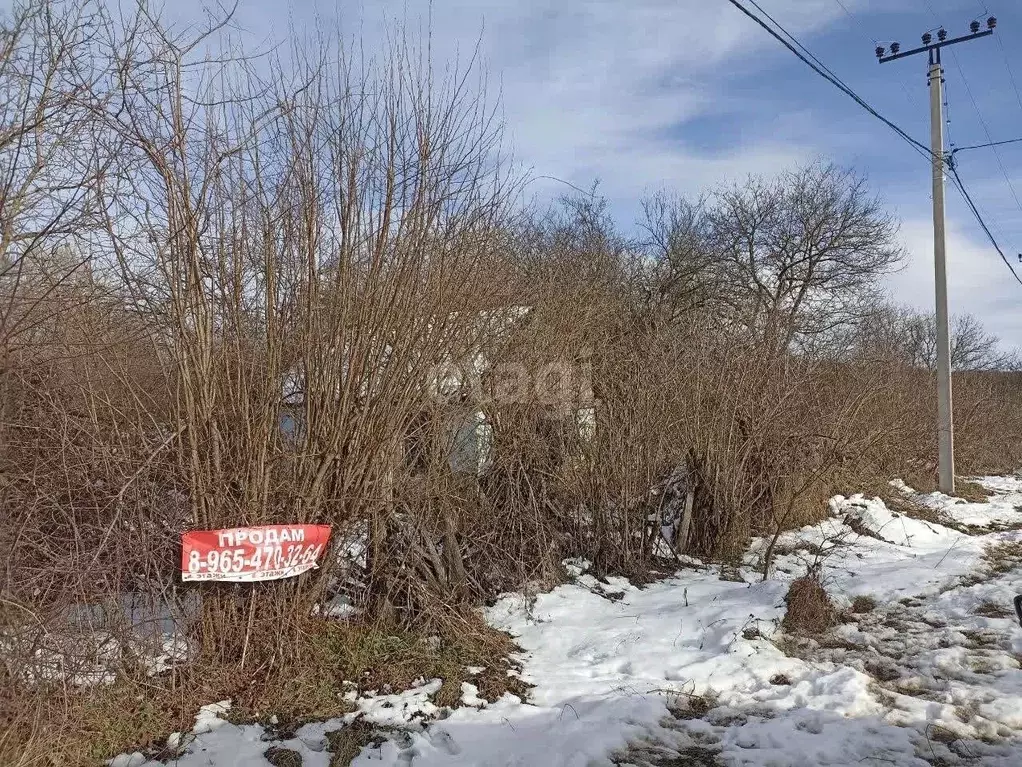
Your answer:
<point x="688" y="94"/>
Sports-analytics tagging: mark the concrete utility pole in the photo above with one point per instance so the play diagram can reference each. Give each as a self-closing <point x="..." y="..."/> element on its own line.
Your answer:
<point x="945" y="421"/>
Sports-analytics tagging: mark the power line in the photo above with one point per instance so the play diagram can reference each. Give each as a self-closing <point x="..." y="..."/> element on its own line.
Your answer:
<point x="960" y="186"/>
<point x="858" y="22"/>
<point x="957" y="180"/>
<point x="990" y="144"/>
<point x="947" y="119"/>
<point x="986" y="129"/>
<point x="798" y="43"/>
<point x="830" y="77"/>
<point x="938" y="102"/>
<point x="823" y="71"/>
<point x="979" y="114"/>
<point x="845" y="9"/>
<point x="1011" y="76"/>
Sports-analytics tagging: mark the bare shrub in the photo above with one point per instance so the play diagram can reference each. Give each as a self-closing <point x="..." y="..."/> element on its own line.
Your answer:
<point x="235" y="295"/>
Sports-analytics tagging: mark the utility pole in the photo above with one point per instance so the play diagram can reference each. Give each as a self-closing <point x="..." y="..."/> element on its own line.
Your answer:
<point x="945" y="420"/>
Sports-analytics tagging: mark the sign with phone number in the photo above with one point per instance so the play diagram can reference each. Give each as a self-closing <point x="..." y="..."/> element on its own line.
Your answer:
<point x="247" y="554"/>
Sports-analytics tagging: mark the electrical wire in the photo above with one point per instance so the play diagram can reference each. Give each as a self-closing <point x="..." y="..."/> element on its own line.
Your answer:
<point x="989" y="144"/>
<point x="1007" y="65"/>
<point x="960" y="186"/>
<point x="956" y="181"/>
<point x="990" y="139"/>
<point x="835" y="78"/>
<point x="821" y="69"/>
<point x="982" y="121"/>
<point x="829" y="76"/>
<point x="798" y="43"/>
<point x="858" y="22"/>
<point x="947" y="120"/>
<point x="845" y="9"/>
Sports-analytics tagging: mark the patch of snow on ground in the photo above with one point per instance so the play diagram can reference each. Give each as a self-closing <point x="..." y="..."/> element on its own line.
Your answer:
<point x="1000" y="511"/>
<point x="690" y="670"/>
<point x="401" y="708"/>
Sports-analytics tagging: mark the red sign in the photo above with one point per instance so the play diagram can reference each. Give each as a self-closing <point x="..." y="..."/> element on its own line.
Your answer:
<point x="245" y="554"/>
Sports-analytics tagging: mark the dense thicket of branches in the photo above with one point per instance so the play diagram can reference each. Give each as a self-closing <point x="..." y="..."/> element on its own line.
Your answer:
<point x="194" y="247"/>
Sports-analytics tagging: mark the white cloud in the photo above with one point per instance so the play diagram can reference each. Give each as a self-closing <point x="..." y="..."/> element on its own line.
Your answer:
<point x="600" y="89"/>
<point x="978" y="281"/>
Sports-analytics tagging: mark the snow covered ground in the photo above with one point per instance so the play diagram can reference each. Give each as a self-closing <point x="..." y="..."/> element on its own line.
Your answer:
<point x="691" y="670"/>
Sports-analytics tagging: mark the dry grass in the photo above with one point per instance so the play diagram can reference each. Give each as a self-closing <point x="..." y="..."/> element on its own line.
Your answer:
<point x="87" y="726"/>
<point x="347" y="743"/>
<point x="26" y="733"/>
<point x="899" y="502"/>
<point x="883" y="670"/>
<point x="970" y="491"/>
<point x="282" y="757"/>
<point x="376" y="657"/>
<point x="1001" y="558"/>
<point x="91" y="725"/>
<point x="863" y="604"/>
<point x="689" y="706"/>
<point x="121" y="427"/>
<point x="990" y="609"/>
<point x="809" y="610"/>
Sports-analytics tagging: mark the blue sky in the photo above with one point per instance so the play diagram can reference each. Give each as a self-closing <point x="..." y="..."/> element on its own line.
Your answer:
<point x="686" y="94"/>
<point x="690" y="93"/>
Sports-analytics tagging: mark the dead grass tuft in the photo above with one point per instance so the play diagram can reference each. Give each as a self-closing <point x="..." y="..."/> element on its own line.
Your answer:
<point x="990" y="609"/>
<point x="283" y="757"/>
<point x="920" y="511"/>
<point x="1001" y="558"/>
<point x="810" y="611"/>
<point x="378" y="656"/>
<point x="25" y="734"/>
<point x="941" y="734"/>
<point x="970" y="491"/>
<point x="347" y="743"/>
<point x="883" y="670"/>
<point x="85" y="727"/>
<point x="690" y="706"/>
<point x="981" y="638"/>
<point x="863" y="604"/>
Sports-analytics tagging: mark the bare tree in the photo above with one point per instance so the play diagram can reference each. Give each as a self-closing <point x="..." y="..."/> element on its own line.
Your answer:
<point x="678" y="270"/>
<point x="801" y="252"/>
<point x="910" y="335"/>
<point x="50" y="75"/>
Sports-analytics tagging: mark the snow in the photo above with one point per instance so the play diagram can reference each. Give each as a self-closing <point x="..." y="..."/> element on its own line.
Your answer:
<point x="88" y="657"/>
<point x="889" y="526"/>
<point x="1001" y="510"/>
<point x="470" y="696"/>
<point x="692" y="667"/>
<point x="401" y="708"/>
<point x="210" y="717"/>
<point x="338" y="607"/>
